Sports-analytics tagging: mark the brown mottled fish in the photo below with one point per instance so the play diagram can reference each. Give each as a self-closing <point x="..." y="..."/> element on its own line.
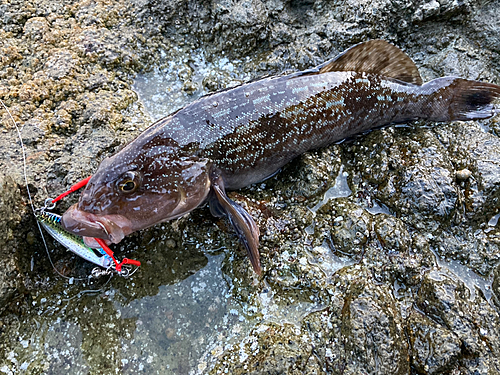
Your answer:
<point x="244" y="135"/>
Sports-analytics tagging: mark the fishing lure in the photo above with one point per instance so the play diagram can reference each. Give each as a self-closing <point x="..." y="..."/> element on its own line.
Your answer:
<point x="52" y="224"/>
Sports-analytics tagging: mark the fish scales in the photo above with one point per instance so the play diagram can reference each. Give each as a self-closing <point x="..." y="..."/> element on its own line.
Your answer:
<point x="301" y="113"/>
<point x="243" y="135"/>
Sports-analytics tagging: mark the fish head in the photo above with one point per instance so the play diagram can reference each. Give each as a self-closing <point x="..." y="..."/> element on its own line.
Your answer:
<point x="140" y="186"/>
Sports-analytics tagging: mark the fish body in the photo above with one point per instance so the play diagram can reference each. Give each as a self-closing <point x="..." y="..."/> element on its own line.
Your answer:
<point x="241" y="136"/>
<point x="250" y="132"/>
<point x="52" y="224"/>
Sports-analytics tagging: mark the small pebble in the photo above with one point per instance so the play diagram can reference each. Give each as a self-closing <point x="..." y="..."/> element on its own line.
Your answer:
<point x="463" y="174"/>
<point x="170" y="332"/>
<point x="30" y="238"/>
<point x="170" y="243"/>
<point x="189" y="87"/>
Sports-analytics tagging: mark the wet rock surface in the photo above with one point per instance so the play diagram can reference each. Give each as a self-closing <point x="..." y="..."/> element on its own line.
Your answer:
<point x="380" y="254"/>
<point x="9" y="211"/>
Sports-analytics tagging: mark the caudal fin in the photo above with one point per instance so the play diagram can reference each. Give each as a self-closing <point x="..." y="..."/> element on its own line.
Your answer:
<point x="472" y="100"/>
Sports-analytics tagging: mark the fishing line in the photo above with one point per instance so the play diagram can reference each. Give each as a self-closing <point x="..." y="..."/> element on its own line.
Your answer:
<point x="79" y="294"/>
<point x="23" y="152"/>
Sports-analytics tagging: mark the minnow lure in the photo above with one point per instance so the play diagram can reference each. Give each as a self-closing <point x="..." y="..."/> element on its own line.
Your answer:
<point x="52" y="224"/>
<point x="244" y="135"/>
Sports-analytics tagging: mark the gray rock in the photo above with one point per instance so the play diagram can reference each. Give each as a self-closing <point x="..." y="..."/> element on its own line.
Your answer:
<point x="380" y="254"/>
<point x="11" y="216"/>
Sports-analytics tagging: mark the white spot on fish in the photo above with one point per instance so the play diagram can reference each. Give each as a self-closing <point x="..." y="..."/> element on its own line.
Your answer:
<point x="262" y="99"/>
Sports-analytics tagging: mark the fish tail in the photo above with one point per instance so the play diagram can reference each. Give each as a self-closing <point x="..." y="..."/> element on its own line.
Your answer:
<point x="461" y="99"/>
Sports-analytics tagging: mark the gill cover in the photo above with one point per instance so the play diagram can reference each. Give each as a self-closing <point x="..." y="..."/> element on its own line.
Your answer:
<point x="125" y="195"/>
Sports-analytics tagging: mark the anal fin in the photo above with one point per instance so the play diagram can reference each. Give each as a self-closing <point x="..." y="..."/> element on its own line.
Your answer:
<point x="242" y="222"/>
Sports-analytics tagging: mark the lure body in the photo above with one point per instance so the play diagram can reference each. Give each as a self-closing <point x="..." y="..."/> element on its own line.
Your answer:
<point x="52" y="224"/>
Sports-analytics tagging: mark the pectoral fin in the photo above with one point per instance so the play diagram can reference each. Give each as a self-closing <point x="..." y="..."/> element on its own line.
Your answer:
<point x="242" y="222"/>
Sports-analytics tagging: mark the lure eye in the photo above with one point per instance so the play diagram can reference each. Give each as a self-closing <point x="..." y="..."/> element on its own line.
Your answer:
<point x="129" y="182"/>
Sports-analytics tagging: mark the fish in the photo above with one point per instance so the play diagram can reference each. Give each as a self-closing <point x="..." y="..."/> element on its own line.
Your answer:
<point x="51" y="222"/>
<point x="240" y="136"/>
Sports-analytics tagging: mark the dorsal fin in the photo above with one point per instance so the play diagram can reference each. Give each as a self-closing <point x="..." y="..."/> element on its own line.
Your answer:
<point x="377" y="57"/>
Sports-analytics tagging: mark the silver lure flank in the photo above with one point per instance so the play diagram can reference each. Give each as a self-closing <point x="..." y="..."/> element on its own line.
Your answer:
<point x="52" y="224"/>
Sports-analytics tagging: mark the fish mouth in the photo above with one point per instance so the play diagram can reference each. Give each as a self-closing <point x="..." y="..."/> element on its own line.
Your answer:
<point x="107" y="227"/>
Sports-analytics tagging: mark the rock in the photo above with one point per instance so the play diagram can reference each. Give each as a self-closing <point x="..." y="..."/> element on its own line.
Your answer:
<point x="463" y="174"/>
<point x="435" y="349"/>
<point x="60" y="64"/>
<point x="380" y="254"/>
<point x="10" y="203"/>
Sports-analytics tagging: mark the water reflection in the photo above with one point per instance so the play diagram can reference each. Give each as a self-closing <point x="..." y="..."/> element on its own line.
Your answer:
<point x="172" y="331"/>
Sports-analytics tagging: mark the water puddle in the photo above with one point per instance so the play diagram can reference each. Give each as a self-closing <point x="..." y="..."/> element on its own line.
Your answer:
<point x="340" y="189"/>
<point x="405" y="297"/>
<point x="272" y="309"/>
<point x="454" y="269"/>
<point x="324" y="258"/>
<point x="378" y="209"/>
<point x="492" y="223"/>
<point x="167" y="333"/>
<point x="162" y="90"/>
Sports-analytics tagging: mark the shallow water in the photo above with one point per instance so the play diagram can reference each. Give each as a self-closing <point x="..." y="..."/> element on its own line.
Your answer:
<point x="173" y="331"/>
<point x="182" y="79"/>
<point x="147" y="323"/>
<point x="471" y="280"/>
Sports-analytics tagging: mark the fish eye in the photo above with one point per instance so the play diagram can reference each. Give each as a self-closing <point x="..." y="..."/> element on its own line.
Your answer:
<point x="129" y="182"/>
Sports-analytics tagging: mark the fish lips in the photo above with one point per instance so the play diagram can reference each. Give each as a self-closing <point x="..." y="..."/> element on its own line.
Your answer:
<point x="107" y="227"/>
